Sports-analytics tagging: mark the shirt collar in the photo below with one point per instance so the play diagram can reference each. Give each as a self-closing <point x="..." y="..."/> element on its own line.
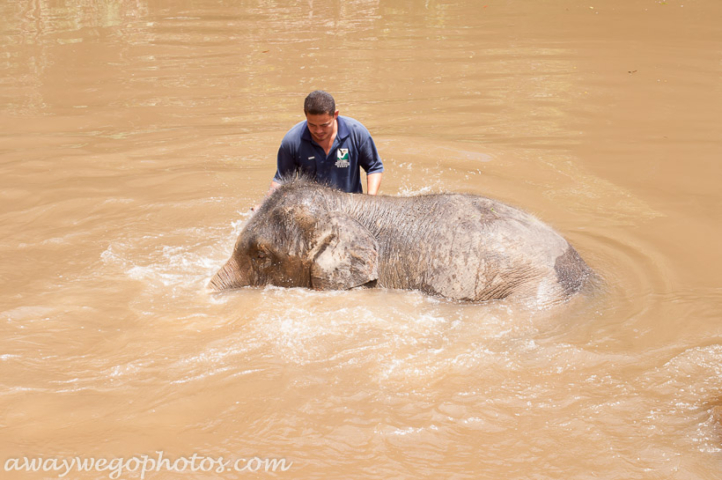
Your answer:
<point x="342" y="128"/>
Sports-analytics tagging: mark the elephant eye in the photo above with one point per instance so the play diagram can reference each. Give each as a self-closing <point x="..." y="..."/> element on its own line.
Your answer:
<point x="261" y="258"/>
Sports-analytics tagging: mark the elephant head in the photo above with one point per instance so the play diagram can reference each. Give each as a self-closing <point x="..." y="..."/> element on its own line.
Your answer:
<point x="289" y="246"/>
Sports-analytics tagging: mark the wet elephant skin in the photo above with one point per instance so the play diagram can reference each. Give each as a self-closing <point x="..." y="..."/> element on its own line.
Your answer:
<point x="458" y="246"/>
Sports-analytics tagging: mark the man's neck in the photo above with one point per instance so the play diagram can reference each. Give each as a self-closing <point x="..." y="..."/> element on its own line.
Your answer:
<point x="326" y="145"/>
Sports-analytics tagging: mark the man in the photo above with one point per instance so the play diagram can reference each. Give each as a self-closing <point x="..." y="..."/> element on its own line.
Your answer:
<point x="329" y="148"/>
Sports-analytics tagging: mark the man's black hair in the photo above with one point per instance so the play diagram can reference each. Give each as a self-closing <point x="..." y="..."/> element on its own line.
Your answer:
<point x="319" y="102"/>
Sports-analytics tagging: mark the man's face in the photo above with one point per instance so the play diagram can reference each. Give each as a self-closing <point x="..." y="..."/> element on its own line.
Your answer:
<point x="321" y="126"/>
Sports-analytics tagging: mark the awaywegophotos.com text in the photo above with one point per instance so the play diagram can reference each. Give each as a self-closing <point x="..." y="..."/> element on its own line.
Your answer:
<point x="142" y="465"/>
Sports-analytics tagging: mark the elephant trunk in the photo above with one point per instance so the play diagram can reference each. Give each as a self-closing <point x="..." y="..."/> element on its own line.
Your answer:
<point x="229" y="276"/>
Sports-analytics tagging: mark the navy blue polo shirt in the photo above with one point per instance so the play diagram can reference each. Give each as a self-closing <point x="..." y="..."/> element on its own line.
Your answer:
<point x="352" y="148"/>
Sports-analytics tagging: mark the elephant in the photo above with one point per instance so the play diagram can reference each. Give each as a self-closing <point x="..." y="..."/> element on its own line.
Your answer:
<point x="462" y="247"/>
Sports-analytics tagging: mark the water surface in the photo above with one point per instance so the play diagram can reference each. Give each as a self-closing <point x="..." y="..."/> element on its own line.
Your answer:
<point x="136" y="135"/>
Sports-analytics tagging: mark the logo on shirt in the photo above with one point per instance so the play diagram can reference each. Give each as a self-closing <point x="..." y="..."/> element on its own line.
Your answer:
<point x="342" y="158"/>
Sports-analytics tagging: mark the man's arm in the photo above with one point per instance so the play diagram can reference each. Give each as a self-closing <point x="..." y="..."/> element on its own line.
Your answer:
<point x="284" y="165"/>
<point x="373" y="183"/>
<point x="286" y="162"/>
<point x="371" y="163"/>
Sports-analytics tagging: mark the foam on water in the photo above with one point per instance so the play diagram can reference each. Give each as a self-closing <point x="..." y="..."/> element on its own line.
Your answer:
<point x="174" y="264"/>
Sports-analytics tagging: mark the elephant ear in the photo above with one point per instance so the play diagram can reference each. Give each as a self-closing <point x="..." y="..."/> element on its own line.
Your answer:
<point x="345" y="254"/>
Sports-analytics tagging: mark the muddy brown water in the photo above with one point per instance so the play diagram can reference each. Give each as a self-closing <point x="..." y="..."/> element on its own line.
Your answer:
<point x="137" y="134"/>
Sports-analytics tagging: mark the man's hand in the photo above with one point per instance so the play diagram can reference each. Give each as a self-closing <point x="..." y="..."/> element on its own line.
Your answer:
<point x="274" y="185"/>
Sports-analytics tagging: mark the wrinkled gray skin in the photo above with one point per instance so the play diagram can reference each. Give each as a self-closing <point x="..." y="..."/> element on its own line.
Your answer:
<point x="459" y="246"/>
